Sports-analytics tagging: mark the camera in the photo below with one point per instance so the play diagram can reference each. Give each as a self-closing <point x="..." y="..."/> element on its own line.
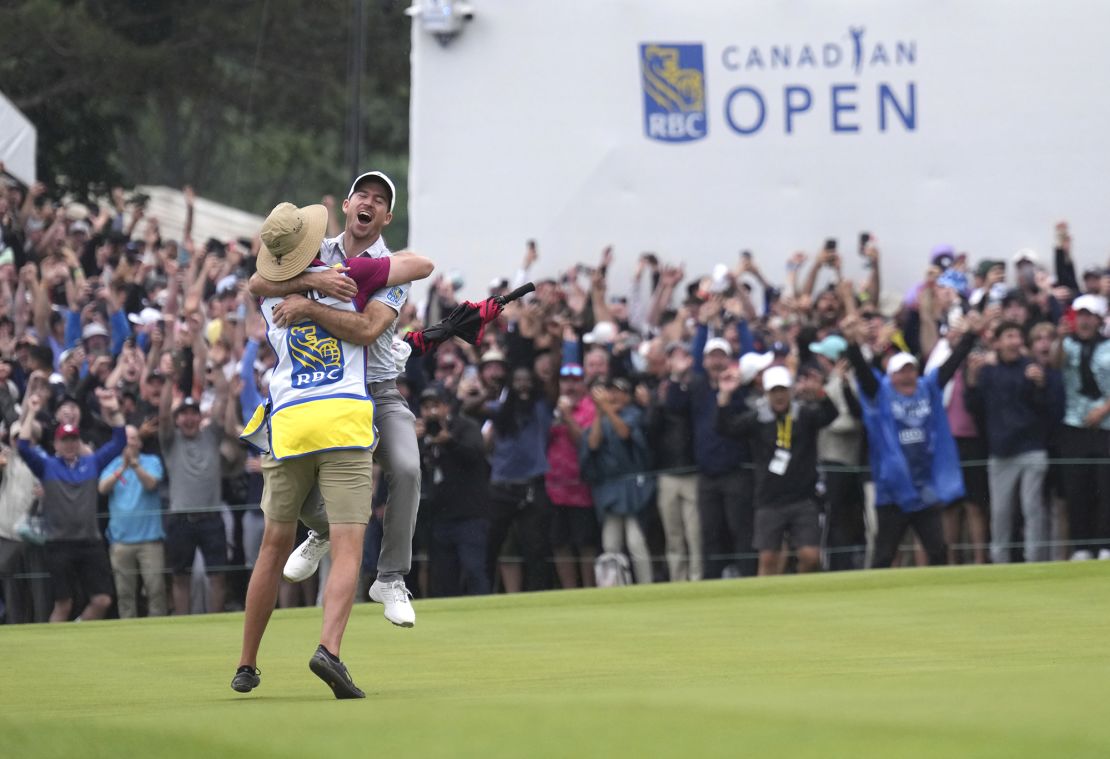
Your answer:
<point x="432" y="428"/>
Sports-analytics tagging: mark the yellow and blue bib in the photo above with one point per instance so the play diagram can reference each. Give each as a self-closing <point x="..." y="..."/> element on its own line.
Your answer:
<point x="318" y="397"/>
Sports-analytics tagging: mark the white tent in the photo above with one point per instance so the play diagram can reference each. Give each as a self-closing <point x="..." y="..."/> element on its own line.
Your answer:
<point x="18" y="140"/>
<point x="210" y="219"/>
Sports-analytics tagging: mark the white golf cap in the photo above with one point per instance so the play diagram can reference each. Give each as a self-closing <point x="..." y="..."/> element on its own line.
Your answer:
<point x="751" y="364"/>
<point x="388" y="183"/>
<point x="777" y="376"/>
<point x="1095" y="304"/>
<point x="899" y="361"/>
<point x="603" y="333"/>
<point x="718" y="344"/>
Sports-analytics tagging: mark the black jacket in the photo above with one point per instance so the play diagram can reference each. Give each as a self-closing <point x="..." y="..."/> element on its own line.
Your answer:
<point x="763" y="429"/>
<point x="457" y="472"/>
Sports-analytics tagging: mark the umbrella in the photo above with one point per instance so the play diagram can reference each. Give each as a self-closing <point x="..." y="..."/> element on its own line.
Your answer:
<point x="467" y="320"/>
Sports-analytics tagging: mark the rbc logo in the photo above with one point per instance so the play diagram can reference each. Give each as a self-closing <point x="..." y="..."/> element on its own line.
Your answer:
<point x="317" y="356"/>
<point x="673" y="79"/>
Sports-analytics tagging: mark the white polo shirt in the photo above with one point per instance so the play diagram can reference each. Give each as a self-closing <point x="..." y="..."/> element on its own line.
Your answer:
<point x="380" y="363"/>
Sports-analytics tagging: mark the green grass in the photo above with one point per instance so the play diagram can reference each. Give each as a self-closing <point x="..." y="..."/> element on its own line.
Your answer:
<point x="994" y="661"/>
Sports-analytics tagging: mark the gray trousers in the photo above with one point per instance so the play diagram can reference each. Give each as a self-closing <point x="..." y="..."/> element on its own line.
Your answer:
<point x="1013" y="478"/>
<point x="399" y="456"/>
<point x="678" y="510"/>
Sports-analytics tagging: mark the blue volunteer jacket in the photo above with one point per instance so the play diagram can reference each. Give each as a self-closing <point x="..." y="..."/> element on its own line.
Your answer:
<point x="889" y="468"/>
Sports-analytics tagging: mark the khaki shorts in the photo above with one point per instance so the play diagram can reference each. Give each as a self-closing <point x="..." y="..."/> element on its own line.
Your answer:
<point x="345" y="478"/>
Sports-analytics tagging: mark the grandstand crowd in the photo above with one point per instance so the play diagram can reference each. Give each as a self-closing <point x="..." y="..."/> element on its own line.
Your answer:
<point x="772" y="415"/>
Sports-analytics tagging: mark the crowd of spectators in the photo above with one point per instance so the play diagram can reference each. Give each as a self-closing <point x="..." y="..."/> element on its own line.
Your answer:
<point x="771" y="415"/>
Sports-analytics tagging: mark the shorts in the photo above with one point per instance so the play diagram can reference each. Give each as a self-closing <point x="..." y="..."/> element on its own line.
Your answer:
<point x="975" y="476"/>
<point x="798" y="520"/>
<point x="76" y="565"/>
<point x="185" y="533"/>
<point x="345" y="478"/>
<point x="574" y="527"/>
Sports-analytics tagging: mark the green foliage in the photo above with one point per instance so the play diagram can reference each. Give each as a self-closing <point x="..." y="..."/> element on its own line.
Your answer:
<point x="245" y="100"/>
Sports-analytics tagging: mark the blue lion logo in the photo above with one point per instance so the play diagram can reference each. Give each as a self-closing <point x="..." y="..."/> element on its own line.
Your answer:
<point x="317" y="356"/>
<point x="673" y="79"/>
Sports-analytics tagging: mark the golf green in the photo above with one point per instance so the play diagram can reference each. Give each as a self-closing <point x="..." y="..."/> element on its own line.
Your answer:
<point x="1005" y="661"/>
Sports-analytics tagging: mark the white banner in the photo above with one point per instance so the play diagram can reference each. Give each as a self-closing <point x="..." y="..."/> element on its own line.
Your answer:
<point x="696" y="130"/>
<point x="18" y="141"/>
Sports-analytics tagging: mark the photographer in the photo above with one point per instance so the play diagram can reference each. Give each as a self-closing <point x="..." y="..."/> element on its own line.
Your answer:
<point x="453" y="454"/>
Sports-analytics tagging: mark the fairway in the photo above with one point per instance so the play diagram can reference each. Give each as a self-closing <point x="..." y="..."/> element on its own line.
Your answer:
<point x="990" y="661"/>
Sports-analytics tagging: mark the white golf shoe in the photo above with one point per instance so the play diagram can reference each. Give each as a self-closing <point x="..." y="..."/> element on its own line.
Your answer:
<point x="305" y="559"/>
<point x="395" y="596"/>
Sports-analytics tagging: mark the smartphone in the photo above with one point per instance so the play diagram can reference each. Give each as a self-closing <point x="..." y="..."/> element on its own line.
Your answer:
<point x="1069" y="318"/>
<point x="830" y="243"/>
<point x="747" y="255"/>
<point x="864" y="238"/>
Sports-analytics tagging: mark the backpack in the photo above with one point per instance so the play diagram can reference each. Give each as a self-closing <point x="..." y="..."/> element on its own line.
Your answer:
<point x="612" y="570"/>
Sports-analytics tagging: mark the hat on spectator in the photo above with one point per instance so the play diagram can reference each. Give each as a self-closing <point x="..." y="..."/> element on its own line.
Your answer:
<point x="186" y="405"/>
<point x="291" y="238"/>
<point x="831" y="347"/>
<point x="619" y="383"/>
<point x="1094" y="271"/>
<point x="156" y="374"/>
<point x="1026" y="255"/>
<point x="571" y="370"/>
<point x="1094" y="304"/>
<point x="77" y="211"/>
<point x="63" y="400"/>
<point x="777" y="376"/>
<point x="93" y="329"/>
<point x="66" y="430"/>
<point x="603" y="332"/>
<point x="229" y="284"/>
<point x="899" y="361"/>
<point x="493" y="356"/>
<point x="384" y="179"/>
<point x="751" y="364"/>
<point x="943" y="255"/>
<point x="146" y="317"/>
<point x="718" y="344"/>
<point x="433" y="393"/>
<point x="985" y="266"/>
<point x="676" y="345"/>
<point x="79" y="227"/>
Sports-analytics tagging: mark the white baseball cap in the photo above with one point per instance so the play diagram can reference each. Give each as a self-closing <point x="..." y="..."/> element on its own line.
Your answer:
<point x="718" y="344"/>
<point x="603" y="333"/>
<point x="381" y="176"/>
<point x="899" y="361"/>
<point x="777" y="376"/>
<point x="752" y="364"/>
<point x="1096" y="304"/>
<point x="1026" y="255"/>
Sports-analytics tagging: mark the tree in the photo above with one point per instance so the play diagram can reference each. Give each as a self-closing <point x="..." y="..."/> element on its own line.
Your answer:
<point x="244" y="100"/>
